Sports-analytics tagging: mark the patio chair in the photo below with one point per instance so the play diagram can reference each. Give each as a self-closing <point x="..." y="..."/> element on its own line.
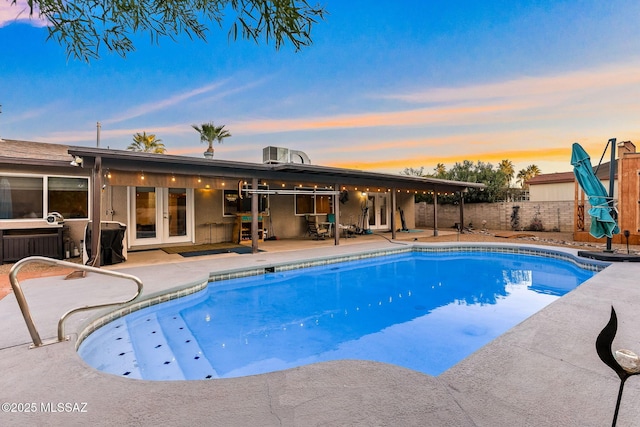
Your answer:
<point x="310" y="220"/>
<point x="348" y="230"/>
<point x="317" y="232"/>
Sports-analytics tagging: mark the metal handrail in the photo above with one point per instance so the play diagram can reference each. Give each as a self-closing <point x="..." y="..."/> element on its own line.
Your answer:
<point x="24" y="307"/>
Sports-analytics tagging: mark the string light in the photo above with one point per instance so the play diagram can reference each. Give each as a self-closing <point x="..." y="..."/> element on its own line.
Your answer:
<point x="142" y="175"/>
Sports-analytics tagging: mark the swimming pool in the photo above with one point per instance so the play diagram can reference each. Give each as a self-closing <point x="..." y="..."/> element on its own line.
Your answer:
<point x="423" y="311"/>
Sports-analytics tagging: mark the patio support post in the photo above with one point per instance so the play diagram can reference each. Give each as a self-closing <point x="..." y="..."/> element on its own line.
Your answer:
<point x="336" y="215"/>
<point x="394" y="208"/>
<point x="435" y="212"/>
<point x="461" y="211"/>
<point x="254" y="216"/>
<point x="612" y="176"/>
<point x="96" y="208"/>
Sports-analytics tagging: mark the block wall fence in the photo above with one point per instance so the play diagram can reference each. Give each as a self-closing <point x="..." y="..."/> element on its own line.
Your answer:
<point x="554" y="216"/>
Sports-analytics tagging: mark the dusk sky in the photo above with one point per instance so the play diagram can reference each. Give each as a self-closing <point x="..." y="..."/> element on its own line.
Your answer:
<point x="386" y="85"/>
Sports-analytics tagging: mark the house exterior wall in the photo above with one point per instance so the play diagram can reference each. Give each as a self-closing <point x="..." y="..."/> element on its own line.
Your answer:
<point x="210" y="224"/>
<point x="283" y="223"/>
<point x="406" y="202"/>
<point x="281" y="220"/>
<point x="551" y="192"/>
<point x="563" y="191"/>
<point x="286" y="225"/>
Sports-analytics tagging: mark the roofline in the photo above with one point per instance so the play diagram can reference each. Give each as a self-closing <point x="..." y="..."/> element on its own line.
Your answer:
<point x="163" y="163"/>
<point x="34" y="162"/>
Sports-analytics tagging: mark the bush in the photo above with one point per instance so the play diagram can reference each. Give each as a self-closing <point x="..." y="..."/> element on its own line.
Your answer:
<point x="536" y="225"/>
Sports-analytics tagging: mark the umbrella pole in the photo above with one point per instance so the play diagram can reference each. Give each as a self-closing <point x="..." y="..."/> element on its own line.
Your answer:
<point x="612" y="175"/>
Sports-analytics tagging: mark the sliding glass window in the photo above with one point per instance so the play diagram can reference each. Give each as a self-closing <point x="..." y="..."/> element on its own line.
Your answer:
<point x="33" y="197"/>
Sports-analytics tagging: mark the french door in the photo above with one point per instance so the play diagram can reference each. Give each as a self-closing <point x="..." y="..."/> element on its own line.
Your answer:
<point x="160" y="215"/>
<point x="378" y="211"/>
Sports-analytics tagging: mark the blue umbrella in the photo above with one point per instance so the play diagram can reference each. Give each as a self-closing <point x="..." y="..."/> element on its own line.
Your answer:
<point x="602" y="222"/>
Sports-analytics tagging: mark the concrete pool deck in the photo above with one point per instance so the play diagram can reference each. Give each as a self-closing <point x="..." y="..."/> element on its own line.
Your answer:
<point x="543" y="372"/>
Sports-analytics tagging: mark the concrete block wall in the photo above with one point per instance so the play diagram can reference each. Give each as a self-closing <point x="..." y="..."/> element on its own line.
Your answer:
<point x="554" y="216"/>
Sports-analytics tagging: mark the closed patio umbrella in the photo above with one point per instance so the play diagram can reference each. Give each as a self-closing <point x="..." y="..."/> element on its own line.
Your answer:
<point x="602" y="222"/>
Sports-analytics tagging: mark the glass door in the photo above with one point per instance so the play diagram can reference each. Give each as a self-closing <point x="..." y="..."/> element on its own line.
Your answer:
<point x="176" y="215"/>
<point x="378" y="211"/>
<point x="145" y="220"/>
<point x="160" y="215"/>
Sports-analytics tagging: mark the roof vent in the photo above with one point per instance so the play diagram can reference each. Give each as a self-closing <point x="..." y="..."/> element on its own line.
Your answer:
<point x="272" y="155"/>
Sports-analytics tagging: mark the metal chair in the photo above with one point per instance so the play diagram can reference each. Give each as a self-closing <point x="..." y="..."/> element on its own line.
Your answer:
<point x="317" y="232"/>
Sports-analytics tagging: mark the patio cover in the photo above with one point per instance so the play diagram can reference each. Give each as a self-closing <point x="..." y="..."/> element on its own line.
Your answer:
<point x="602" y="222"/>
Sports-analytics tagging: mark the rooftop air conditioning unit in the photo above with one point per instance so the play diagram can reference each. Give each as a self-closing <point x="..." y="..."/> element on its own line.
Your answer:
<point x="275" y="155"/>
<point x="283" y="155"/>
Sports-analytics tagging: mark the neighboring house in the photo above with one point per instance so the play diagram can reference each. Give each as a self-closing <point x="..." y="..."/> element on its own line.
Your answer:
<point x="561" y="186"/>
<point x="166" y="200"/>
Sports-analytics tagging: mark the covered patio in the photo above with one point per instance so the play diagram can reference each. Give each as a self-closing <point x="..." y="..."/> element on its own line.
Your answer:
<point x="341" y="192"/>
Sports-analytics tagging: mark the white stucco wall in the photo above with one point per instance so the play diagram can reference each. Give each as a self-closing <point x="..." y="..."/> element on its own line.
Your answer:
<point x="559" y="192"/>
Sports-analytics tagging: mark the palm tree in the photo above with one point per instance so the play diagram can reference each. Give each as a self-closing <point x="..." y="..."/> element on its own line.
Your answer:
<point x="147" y="144"/>
<point x="441" y="170"/>
<point x="209" y="133"/>
<point x="506" y="167"/>
<point x="534" y="170"/>
<point x="526" y="174"/>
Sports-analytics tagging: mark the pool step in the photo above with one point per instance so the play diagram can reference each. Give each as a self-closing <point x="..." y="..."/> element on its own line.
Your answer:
<point x="155" y="359"/>
<point x="114" y="354"/>
<point x="186" y="349"/>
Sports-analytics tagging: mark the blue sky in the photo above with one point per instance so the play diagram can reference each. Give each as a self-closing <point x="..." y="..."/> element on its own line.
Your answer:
<point x="385" y="86"/>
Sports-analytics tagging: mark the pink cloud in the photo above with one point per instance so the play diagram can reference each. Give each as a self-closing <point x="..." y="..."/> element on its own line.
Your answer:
<point x="19" y="13"/>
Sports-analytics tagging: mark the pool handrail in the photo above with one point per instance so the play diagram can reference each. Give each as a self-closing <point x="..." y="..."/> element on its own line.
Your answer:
<point x="24" y="307"/>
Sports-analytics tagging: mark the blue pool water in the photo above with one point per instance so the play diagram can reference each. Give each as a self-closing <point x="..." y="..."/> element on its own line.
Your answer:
<point x="423" y="311"/>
